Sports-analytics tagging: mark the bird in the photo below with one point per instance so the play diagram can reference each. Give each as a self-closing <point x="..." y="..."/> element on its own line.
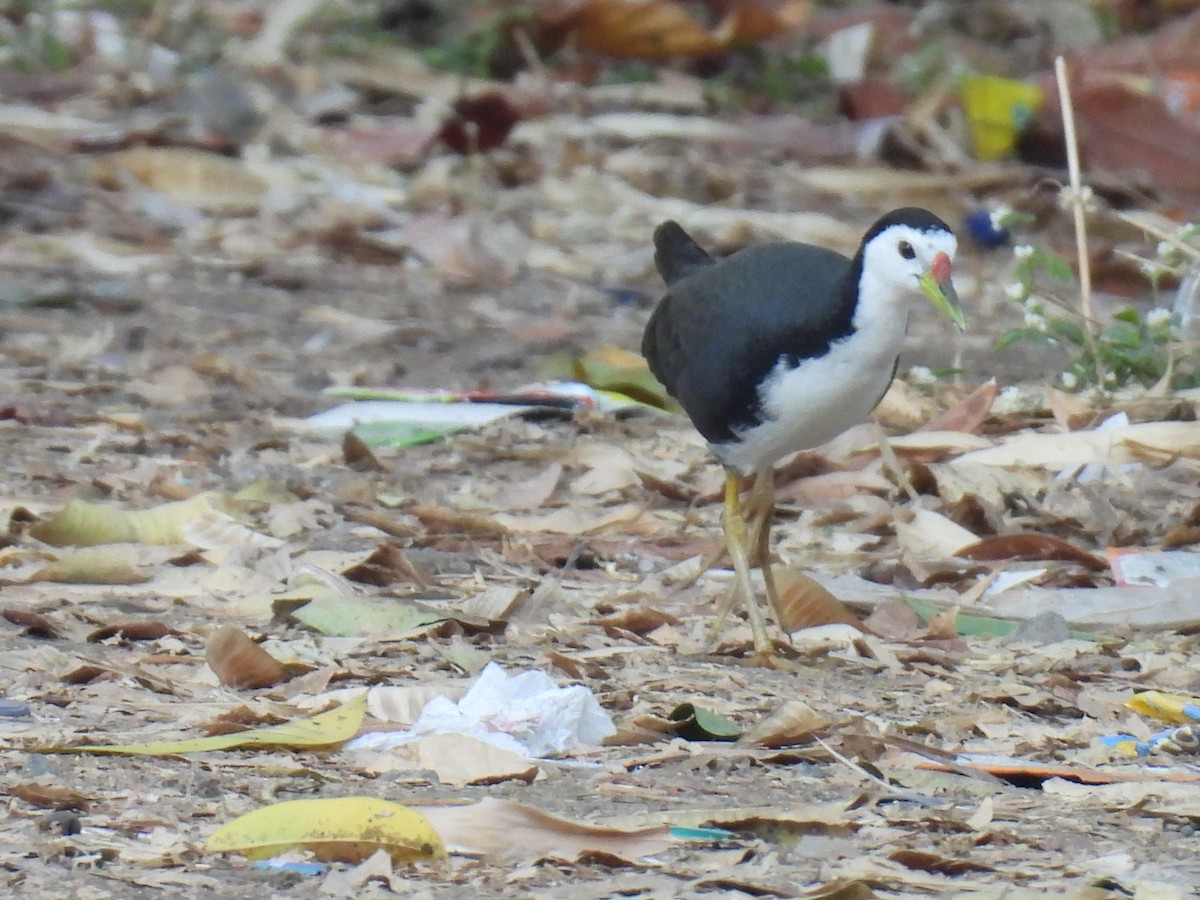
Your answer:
<point x="781" y="347"/>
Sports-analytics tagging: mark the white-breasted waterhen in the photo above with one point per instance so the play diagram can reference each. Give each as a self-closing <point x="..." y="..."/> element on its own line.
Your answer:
<point x="782" y="347"/>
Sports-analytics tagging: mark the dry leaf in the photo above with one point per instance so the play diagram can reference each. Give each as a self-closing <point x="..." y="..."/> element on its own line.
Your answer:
<point x="793" y="723"/>
<point x="969" y="413"/>
<point x="514" y="832"/>
<point x="239" y="663"/>
<point x="1029" y="547"/>
<point x="805" y="603"/>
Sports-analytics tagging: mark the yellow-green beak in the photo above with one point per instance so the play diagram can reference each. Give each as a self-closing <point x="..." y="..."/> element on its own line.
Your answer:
<point x="937" y="286"/>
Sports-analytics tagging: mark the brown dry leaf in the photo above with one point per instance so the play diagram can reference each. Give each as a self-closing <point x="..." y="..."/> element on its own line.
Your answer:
<point x="793" y="723"/>
<point x="930" y="535"/>
<point x="894" y="620"/>
<point x="480" y="123"/>
<point x="46" y="796"/>
<point x="969" y="413"/>
<point x="1029" y="547"/>
<point x="1124" y="130"/>
<point x="402" y="704"/>
<point x="456" y="759"/>
<point x="805" y="603"/>
<point x="442" y="520"/>
<point x="640" y="621"/>
<point x="132" y="631"/>
<point x="514" y="832"/>
<point x="637" y="29"/>
<point x="1141" y="441"/>
<point x="532" y="493"/>
<point x="208" y="181"/>
<point x="239" y="663"/>
<point x="938" y="865"/>
<point x="1069" y="411"/>
<point x="609" y="468"/>
<point x="357" y="455"/>
<point x="387" y="565"/>
<point x="35" y="624"/>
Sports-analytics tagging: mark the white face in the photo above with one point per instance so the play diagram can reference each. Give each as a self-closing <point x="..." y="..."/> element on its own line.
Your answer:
<point x="898" y="256"/>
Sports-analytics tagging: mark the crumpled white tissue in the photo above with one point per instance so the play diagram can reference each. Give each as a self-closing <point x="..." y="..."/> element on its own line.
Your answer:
<point x="526" y="713"/>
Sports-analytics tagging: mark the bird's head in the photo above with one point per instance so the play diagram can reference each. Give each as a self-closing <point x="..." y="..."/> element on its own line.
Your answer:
<point x="911" y="250"/>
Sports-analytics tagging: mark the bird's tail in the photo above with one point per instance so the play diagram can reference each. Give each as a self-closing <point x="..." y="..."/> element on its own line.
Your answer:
<point x="676" y="255"/>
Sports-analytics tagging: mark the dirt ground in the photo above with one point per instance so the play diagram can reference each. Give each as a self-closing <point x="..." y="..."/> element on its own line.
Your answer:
<point x="170" y="315"/>
<point x="89" y="422"/>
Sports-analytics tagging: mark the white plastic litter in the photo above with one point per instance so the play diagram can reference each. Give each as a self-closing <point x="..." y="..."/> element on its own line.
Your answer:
<point x="526" y="713"/>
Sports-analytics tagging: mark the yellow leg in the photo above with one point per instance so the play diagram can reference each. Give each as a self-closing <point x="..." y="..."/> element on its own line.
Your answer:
<point x="762" y="508"/>
<point x="737" y="542"/>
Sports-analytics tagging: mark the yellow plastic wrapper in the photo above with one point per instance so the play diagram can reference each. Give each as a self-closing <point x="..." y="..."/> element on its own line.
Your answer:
<point x="998" y="109"/>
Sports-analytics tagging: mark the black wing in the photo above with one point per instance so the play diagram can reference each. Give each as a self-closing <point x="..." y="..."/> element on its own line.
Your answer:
<point x="721" y="328"/>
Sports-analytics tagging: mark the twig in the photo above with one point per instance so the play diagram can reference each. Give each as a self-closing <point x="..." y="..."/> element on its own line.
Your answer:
<point x="1161" y="233"/>
<point x="1077" y="200"/>
<point x="902" y="793"/>
<point x="1077" y="195"/>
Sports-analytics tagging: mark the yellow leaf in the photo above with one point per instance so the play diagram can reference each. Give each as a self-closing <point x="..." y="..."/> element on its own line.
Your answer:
<point x="332" y="727"/>
<point x="91" y="567"/>
<point x="1175" y="708"/>
<point x="339" y="829"/>
<point x="84" y="524"/>
<point x="207" y="180"/>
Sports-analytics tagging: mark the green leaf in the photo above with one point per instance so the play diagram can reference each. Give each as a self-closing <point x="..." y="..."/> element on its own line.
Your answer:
<point x="970" y="625"/>
<point x="1122" y="334"/>
<point x="348" y="615"/>
<point x="699" y="724"/>
<point x="1053" y="265"/>
<point x="1068" y="330"/>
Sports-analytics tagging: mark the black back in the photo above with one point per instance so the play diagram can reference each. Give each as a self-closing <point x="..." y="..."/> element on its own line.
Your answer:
<point x="723" y="325"/>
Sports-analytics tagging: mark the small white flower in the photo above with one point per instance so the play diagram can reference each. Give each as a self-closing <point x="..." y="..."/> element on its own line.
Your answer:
<point x="1187" y="229"/>
<point x="1158" y="317"/>
<point x="1069" y="380"/>
<point x="1164" y="249"/>
<point x="921" y="375"/>
<point x="1035" y="320"/>
<point x="1110" y="377"/>
<point x="1022" y="251"/>
<point x="1035" y="304"/>
<point x="998" y="215"/>
<point x="1151" y="269"/>
<point x="1015" y="291"/>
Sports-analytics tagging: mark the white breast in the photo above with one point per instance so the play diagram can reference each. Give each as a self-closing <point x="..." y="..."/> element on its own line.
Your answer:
<point x="814" y="403"/>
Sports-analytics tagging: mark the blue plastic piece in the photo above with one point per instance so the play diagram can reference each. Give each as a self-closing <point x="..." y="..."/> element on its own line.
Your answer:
<point x="983" y="231"/>
<point x="296" y="868"/>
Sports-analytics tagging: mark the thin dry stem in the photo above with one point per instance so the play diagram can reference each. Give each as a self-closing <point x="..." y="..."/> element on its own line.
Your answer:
<point x="1077" y="203"/>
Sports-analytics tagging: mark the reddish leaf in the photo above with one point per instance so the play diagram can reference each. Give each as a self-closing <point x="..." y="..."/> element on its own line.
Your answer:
<point x="35" y="624"/>
<point x="1030" y="547"/>
<point x="358" y="455"/>
<point x="48" y="796"/>
<point x="968" y="414"/>
<point x="240" y="663"/>
<point x="805" y="603"/>
<point x="132" y="631"/>
<point x="479" y="123"/>
<point x="386" y="566"/>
